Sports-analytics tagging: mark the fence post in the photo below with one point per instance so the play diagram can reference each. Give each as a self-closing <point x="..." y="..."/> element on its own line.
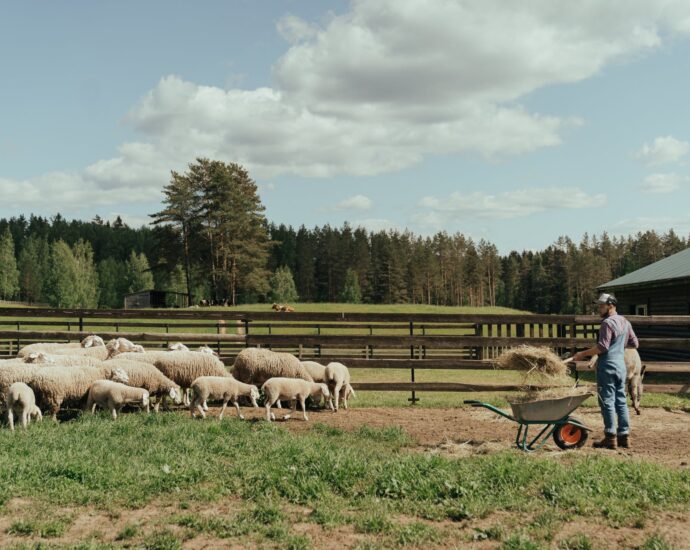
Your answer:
<point x="412" y="399"/>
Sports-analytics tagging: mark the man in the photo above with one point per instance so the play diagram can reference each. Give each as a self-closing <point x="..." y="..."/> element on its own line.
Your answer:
<point x="615" y="335"/>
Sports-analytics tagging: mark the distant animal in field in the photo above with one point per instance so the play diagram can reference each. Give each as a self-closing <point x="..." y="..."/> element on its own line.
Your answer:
<point x="282" y="308"/>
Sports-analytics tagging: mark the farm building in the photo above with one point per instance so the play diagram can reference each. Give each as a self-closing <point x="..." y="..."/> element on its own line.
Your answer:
<point x="661" y="288"/>
<point x="155" y="299"/>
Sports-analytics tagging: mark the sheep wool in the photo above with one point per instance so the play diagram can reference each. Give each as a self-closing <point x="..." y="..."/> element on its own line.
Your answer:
<point x="147" y="376"/>
<point x="292" y="389"/>
<point x="257" y="365"/>
<point x="337" y="378"/>
<point x="225" y="388"/>
<point x="316" y="370"/>
<point x="112" y="396"/>
<point x="44" y="360"/>
<point x="20" y="400"/>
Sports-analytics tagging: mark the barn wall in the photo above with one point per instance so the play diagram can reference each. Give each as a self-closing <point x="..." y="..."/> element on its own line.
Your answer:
<point x="661" y="299"/>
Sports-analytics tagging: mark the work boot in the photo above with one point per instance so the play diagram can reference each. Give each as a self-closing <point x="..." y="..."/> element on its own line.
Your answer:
<point x="624" y="441"/>
<point x="609" y="442"/>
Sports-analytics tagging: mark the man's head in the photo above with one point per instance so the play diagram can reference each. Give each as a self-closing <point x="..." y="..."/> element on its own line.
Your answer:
<point x="606" y="303"/>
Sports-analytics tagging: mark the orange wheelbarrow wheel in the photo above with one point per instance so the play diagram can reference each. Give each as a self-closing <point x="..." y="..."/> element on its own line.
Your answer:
<point x="570" y="436"/>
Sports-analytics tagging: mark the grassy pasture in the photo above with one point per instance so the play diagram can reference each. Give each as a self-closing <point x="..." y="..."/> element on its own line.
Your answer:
<point x="164" y="481"/>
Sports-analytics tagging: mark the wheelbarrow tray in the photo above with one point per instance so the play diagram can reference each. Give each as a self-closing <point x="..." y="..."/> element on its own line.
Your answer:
<point x="548" y="410"/>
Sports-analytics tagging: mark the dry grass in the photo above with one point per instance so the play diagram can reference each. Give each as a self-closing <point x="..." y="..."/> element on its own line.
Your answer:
<point x="551" y="393"/>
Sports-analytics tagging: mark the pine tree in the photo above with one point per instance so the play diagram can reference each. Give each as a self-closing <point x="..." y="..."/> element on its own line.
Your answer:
<point x="61" y="284"/>
<point x="283" y="288"/>
<point x="112" y="275"/>
<point x="139" y="273"/>
<point x="9" y="274"/>
<point x="87" y="275"/>
<point x="351" y="293"/>
<point x="33" y="268"/>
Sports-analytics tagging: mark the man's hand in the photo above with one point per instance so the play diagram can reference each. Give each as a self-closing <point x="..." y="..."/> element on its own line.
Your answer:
<point x="580" y="356"/>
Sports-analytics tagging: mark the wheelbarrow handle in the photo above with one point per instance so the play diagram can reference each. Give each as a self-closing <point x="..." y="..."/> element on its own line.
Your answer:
<point x="473" y="402"/>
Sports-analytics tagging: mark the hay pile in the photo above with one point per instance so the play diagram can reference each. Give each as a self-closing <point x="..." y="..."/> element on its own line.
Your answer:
<point x="541" y="367"/>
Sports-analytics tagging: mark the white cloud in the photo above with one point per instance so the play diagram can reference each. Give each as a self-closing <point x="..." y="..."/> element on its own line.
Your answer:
<point x="356" y="202"/>
<point x="374" y="90"/>
<point x="506" y="205"/>
<point x="660" y="224"/>
<point x="663" y="183"/>
<point x="664" y="150"/>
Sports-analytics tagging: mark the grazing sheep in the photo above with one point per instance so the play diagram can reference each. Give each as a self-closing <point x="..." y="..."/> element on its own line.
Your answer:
<point x="20" y="400"/>
<point x="113" y="396"/>
<point x="316" y="370"/>
<point x="177" y="346"/>
<point x="634" y="375"/>
<point x="122" y="345"/>
<point x="15" y="371"/>
<point x="257" y="365"/>
<point x="226" y="388"/>
<point x="45" y="360"/>
<point x="39" y="357"/>
<point x="337" y="378"/>
<point x="54" y="386"/>
<point x="144" y="375"/>
<point x="206" y="349"/>
<point x="92" y="341"/>
<point x="292" y="389"/>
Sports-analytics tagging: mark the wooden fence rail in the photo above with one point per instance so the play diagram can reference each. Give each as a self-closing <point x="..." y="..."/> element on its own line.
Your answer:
<point x="412" y="342"/>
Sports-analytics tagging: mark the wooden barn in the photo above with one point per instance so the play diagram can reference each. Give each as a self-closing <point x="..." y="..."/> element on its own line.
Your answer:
<point x="155" y="299"/>
<point x="661" y="288"/>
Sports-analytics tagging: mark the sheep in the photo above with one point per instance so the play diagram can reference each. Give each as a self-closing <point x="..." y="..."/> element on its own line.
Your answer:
<point x="226" y="388"/>
<point x="292" y="389"/>
<point x="122" y="345"/>
<point x="144" y="375"/>
<point x="45" y="360"/>
<point x="634" y="375"/>
<point x="316" y="370"/>
<point x="54" y="386"/>
<point x="177" y="346"/>
<point x="257" y="365"/>
<point x="337" y="378"/>
<point x="113" y="396"/>
<point x="98" y="352"/>
<point x="206" y="349"/>
<point x="92" y="341"/>
<point x="21" y="400"/>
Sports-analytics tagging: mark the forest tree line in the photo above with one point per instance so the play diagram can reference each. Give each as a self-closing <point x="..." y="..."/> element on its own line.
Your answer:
<point x="212" y="241"/>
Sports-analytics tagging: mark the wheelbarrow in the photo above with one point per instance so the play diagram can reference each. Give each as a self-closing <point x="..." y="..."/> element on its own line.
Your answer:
<point x="567" y="431"/>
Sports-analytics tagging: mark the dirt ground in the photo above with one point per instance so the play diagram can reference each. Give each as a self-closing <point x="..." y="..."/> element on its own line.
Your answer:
<point x="658" y="435"/>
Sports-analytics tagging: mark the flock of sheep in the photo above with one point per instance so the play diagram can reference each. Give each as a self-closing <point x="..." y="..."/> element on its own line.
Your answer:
<point x="45" y="377"/>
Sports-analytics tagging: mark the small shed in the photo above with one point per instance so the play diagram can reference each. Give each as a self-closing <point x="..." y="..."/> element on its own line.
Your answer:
<point x="661" y="288"/>
<point x="145" y="299"/>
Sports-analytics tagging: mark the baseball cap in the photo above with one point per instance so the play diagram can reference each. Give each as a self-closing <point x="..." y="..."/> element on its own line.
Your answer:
<point x="608" y="299"/>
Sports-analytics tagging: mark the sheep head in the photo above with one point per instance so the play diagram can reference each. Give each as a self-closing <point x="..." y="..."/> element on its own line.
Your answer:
<point x="92" y="341"/>
<point x="119" y="375"/>
<point x="176" y="395"/>
<point x="206" y="349"/>
<point x="177" y="346"/>
<point x="39" y="357"/>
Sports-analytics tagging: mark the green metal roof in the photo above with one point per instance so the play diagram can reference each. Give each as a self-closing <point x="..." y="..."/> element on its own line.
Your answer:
<point x="673" y="267"/>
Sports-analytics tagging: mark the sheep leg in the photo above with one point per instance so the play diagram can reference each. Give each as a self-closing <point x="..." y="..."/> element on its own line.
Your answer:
<point x="303" y="402"/>
<point x="239" y="412"/>
<point x="293" y="404"/>
<point x="336" y="394"/>
<point x="222" y="409"/>
<point x="25" y="419"/>
<point x="205" y="405"/>
<point x="201" y="410"/>
<point x="185" y="397"/>
<point x="10" y="418"/>
<point x="268" y="411"/>
<point x="113" y="412"/>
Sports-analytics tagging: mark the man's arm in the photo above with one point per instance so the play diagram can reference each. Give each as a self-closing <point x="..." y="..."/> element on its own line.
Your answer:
<point x="632" y="342"/>
<point x="603" y="343"/>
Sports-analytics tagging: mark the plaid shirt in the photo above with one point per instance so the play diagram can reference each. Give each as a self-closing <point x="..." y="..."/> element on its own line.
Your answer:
<point x="612" y="327"/>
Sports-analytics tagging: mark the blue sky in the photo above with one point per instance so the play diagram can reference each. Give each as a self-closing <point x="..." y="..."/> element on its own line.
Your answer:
<point x="514" y="122"/>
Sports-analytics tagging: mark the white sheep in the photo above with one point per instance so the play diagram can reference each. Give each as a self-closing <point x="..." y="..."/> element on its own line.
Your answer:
<point x="112" y="396"/>
<point x="46" y="360"/>
<point x="122" y="345"/>
<point x="291" y="389"/>
<point x="144" y="375"/>
<point x="206" y="349"/>
<point x="177" y="346"/>
<point x="257" y="365"/>
<point x="337" y="378"/>
<point x="634" y="375"/>
<point x="92" y="341"/>
<point x="225" y="388"/>
<point x="98" y="352"/>
<point x="20" y="400"/>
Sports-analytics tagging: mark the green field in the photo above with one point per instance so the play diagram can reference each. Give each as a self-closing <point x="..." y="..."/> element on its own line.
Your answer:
<point x="160" y="481"/>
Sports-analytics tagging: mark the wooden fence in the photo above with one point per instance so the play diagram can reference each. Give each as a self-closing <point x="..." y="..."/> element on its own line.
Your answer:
<point x="413" y="342"/>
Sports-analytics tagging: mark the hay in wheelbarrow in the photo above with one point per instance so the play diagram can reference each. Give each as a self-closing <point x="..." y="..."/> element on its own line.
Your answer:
<point x="534" y="361"/>
<point x="550" y="393"/>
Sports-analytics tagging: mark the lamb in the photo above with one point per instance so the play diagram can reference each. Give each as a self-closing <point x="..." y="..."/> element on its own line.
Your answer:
<point x="148" y="377"/>
<point x="257" y="365"/>
<point x="316" y="370"/>
<point x="98" y="352"/>
<point x="21" y="400"/>
<point x="92" y="341"/>
<point x="337" y="378"/>
<point x="122" y="345"/>
<point x="634" y="375"/>
<point x="113" y="396"/>
<point x="226" y="388"/>
<point x="54" y="386"/>
<point x="292" y="389"/>
<point x="177" y="346"/>
<point x="206" y="349"/>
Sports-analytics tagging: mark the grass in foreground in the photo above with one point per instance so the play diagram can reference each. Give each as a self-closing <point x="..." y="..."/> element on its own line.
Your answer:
<point x="370" y="483"/>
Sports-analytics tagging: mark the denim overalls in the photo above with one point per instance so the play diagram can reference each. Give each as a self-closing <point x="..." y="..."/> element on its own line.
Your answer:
<point x="611" y="376"/>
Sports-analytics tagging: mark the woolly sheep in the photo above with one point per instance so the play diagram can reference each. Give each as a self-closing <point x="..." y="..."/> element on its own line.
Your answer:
<point x="225" y="388"/>
<point x="45" y="360"/>
<point x="144" y="375"/>
<point x="206" y="349"/>
<point x="634" y="375"/>
<point x="122" y="345"/>
<point x="113" y="396"/>
<point x="98" y="352"/>
<point x="21" y="401"/>
<point x="292" y="389"/>
<point x="337" y="378"/>
<point x="257" y="365"/>
<point x="177" y="346"/>
<point x="92" y="341"/>
<point x="54" y="386"/>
